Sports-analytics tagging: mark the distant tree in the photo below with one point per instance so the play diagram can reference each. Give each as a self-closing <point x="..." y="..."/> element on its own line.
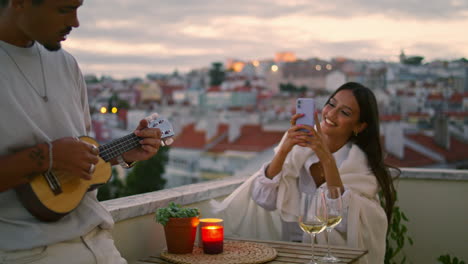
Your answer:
<point x="113" y="189"/>
<point x="146" y="176"/>
<point x="302" y="89"/>
<point x="112" y="101"/>
<point x="91" y="79"/>
<point x="413" y="60"/>
<point x="217" y="74"/>
<point x="122" y="104"/>
<point x="291" y="88"/>
<point x="115" y="100"/>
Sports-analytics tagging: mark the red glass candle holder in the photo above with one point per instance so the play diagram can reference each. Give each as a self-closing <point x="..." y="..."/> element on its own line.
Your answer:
<point x="212" y="235"/>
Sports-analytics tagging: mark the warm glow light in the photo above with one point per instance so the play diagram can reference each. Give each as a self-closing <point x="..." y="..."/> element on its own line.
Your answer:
<point x="213" y="238"/>
<point x="256" y="63"/>
<point x="318" y="67"/>
<point x="285" y="56"/>
<point x="329" y="67"/>
<point x="238" y="66"/>
<point x="103" y="110"/>
<point x="114" y="110"/>
<point x="274" y="68"/>
<point x="211" y="235"/>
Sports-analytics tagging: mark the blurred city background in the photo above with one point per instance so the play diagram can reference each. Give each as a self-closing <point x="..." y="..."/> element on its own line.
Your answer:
<point x="227" y="75"/>
<point x="228" y="116"/>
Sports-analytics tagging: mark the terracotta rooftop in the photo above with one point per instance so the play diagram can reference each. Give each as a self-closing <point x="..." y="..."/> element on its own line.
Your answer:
<point x="192" y="139"/>
<point x="386" y="118"/>
<point x="458" y="149"/>
<point x="456" y="98"/>
<point x="214" y="89"/>
<point x="417" y="114"/>
<point x="252" y="138"/>
<point x="405" y="93"/>
<point x="436" y="96"/>
<point x="457" y="114"/>
<point x="411" y="158"/>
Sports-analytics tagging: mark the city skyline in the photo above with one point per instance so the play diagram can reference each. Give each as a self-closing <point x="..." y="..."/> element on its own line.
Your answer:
<point x="133" y="38"/>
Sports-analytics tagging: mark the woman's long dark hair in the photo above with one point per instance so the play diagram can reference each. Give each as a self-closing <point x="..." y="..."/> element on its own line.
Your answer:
<point x="369" y="141"/>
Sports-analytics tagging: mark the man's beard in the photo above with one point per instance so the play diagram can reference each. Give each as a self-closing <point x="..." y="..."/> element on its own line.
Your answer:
<point x="52" y="47"/>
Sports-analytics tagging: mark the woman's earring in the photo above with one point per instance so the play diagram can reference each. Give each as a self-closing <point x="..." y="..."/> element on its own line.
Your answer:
<point x="355" y="133"/>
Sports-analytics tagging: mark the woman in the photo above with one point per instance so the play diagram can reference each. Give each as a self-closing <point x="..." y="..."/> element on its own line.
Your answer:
<point x="343" y="150"/>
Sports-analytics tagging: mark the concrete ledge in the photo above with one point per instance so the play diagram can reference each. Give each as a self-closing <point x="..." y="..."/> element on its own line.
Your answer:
<point x="147" y="203"/>
<point x="434" y="174"/>
<point x="144" y="204"/>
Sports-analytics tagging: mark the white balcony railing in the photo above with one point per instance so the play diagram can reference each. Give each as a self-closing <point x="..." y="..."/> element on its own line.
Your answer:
<point x="435" y="202"/>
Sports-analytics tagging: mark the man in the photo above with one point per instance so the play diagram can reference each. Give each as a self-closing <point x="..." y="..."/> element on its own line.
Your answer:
<point x="44" y="108"/>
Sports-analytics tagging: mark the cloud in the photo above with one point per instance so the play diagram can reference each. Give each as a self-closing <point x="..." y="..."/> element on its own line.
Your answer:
<point x="165" y="34"/>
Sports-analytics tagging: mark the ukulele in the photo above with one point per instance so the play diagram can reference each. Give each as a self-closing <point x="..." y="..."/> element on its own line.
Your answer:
<point x="50" y="196"/>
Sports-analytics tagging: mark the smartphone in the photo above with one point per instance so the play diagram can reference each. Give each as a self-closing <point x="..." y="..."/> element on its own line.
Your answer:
<point x="305" y="106"/>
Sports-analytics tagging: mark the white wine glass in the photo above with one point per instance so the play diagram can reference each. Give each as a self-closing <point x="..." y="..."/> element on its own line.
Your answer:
<point x="335" y="214"/>
<point x="313" y="216"/>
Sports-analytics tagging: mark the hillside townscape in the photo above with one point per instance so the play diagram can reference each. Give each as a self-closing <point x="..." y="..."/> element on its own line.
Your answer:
<point x="230" y="115"/>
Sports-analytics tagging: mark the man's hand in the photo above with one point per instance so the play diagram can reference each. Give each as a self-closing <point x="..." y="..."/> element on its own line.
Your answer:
<point x="74" y="156"/>
<point x="149" y="144"/>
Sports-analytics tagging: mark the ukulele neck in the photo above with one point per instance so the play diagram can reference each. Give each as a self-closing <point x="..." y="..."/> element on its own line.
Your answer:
<point x="118" y="146"/>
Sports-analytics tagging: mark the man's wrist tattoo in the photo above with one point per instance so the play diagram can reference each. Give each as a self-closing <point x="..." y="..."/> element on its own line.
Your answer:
<point x="37" y="155"/>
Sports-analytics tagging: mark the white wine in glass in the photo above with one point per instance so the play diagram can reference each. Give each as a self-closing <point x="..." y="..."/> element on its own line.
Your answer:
<point x="333" y="220"/>
<point x="335" y="215"/>
<point x="313" y="215"/>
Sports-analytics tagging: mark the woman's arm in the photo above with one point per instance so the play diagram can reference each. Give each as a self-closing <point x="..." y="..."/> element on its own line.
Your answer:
<point x="265" y="190"/>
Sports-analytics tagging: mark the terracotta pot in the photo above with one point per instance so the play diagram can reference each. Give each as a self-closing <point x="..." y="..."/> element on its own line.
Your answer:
<point x="180" y="234"/>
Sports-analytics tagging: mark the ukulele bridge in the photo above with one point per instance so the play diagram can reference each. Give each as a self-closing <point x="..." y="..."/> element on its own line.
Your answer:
<point x="53" y="182"/>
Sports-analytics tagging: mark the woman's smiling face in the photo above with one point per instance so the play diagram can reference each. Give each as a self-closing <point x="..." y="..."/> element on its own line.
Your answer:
<point x="340" y="116"/>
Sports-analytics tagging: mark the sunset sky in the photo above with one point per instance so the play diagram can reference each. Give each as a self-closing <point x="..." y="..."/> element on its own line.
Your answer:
<point x="125" y="38"/>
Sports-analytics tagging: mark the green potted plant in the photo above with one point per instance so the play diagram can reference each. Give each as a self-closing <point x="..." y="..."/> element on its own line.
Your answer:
<point x="180" y="227"/>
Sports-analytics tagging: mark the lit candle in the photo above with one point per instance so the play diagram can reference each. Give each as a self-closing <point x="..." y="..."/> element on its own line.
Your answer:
<point x="207" y="222"/>
<point x="212" y="237"/>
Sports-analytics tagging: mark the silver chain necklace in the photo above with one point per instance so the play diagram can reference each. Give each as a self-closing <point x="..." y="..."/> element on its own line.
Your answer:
<point x="44" y="97"/>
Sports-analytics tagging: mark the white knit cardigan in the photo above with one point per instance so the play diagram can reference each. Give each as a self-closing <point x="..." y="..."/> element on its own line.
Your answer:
<point x="367" y="222"/>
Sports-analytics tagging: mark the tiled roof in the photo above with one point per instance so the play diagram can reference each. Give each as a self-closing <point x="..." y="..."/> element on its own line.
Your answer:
<point x="418" y="114"/>
<point x="458" y="149"/>
<point x="192" y="139"/>
<point x="214" y="89"/>
<point x="252" y="138"/>
<point x="436" y="96"/>
<point x="411" y="158"/>
<point x="456" y="98"/>
<point x="405" y="93"/>
<point x="242" y="89"/>
<point x="385" y="118"/>
<point x="457" y="114"/>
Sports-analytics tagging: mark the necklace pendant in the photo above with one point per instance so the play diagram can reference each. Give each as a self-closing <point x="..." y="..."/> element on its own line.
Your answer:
<point x="46" y="99"/>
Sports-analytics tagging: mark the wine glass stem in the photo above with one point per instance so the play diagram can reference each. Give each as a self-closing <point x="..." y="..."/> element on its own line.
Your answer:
<point x="312" y="237"/>
<point x="328" y="241"/>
